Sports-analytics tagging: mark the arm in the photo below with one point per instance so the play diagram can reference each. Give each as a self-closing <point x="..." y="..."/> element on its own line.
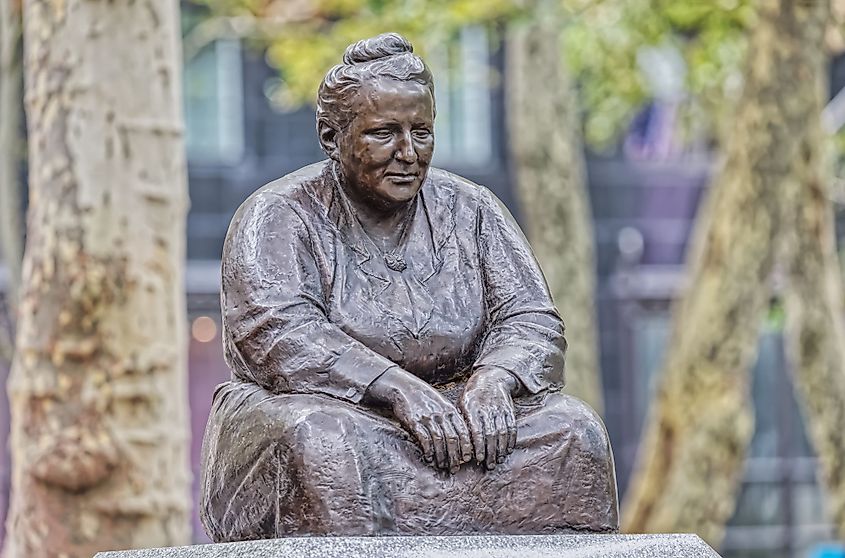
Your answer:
<point x="526" y="333"/>
<point x="524" y="346"/>
<point x="277" y="333"/>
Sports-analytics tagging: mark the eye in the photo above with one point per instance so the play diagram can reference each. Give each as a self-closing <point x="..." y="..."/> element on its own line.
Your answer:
<point x="381" y="134"/>
<point x="422" y="134"/>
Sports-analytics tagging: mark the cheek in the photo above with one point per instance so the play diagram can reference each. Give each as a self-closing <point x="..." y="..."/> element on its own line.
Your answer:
<point x="425" y="152"/>
<point x="376" y="155"/>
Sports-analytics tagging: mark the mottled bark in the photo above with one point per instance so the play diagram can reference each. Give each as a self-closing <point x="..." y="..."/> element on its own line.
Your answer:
<point x="815" y="330"/>
<point x="692" y="454"/>
<point x="547" y="152"/>
<point x="98" y="386"/>
<point x="11" y="231"/>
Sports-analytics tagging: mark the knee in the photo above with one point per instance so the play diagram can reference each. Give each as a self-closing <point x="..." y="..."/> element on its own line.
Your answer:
<point x="581" y="425"/>
<point x="318" y="430"/>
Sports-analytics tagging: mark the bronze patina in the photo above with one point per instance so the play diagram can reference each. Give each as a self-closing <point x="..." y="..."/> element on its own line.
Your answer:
<point x="396" y="357"/>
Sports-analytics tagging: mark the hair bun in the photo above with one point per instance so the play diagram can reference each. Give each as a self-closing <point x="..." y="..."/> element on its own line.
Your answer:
<point x="381" y="46"/>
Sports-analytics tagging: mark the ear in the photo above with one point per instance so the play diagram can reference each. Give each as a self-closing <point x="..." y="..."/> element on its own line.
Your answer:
<point x="328" y="139"/>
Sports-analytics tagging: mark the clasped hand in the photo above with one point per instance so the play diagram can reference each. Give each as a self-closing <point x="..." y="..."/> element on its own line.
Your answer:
<point x="483" y="425"/>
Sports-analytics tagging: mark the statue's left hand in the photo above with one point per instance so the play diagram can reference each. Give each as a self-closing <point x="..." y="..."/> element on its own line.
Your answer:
<point x="487" y="406"/>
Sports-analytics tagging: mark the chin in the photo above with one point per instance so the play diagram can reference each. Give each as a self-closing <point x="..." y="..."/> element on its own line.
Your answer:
<point x="401" y="194"/>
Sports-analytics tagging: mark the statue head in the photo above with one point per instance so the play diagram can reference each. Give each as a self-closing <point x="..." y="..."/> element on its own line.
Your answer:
<point x="375" y="119"/>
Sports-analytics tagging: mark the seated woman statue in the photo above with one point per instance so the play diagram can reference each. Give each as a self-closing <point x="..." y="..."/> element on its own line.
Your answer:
<point x="397" y="359"/>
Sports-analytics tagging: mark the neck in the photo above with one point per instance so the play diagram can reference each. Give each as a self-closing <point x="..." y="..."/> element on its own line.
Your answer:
<point x="382" y="222"/>
<point x="385" y="227"/>
<point x="374" y="215"/>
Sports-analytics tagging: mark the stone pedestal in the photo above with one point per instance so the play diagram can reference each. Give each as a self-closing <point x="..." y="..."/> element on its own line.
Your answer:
<point x="532" y="546"/>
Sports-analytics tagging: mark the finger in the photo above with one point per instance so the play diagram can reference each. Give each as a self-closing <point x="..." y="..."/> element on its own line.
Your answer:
<point x="501" y="438"/>
<point x="510" y="421"/>
<point x="464" y="439"/>
<point x="490" y="438"/>
<point x="453" y="450"/>
<point x="426" y="444"/>
<point x="476" y="429"/>
<point x="440" y="454"/>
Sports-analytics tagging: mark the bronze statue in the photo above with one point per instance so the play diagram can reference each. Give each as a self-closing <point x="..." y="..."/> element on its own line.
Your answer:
<point x="396" y="357"/>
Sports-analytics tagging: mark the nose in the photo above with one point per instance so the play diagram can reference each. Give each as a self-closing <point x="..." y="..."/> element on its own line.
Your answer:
<point x="405" y="151"/>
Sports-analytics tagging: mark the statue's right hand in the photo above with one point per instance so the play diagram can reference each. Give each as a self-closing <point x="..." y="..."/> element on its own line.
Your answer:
<point x="437" y="425"/>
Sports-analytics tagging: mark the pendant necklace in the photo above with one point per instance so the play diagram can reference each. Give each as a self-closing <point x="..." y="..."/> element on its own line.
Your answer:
<point x="395" y="261"/>
<point x="394" y="258"/>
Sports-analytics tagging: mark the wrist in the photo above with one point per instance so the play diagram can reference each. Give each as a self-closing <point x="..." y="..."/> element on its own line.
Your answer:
<point x="500" y="376"/>
<point x="386" y="387"/>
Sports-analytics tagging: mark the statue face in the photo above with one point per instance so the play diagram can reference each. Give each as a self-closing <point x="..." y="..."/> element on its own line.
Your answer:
<point x="386" y="150"/>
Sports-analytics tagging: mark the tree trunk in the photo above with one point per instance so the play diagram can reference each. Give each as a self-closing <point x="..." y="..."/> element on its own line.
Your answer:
<point x="815" y="330"/>
<point x="547" y="152"/>
<point x="816" y="334"/>
<point x="692" y="454"/>
<point x="98" y="386"/>
<point x="11" y="231"/>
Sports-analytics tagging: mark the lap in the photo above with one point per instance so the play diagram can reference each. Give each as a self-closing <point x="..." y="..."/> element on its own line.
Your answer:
<point x="248" y="411"/>
<point x="339" y="456"/>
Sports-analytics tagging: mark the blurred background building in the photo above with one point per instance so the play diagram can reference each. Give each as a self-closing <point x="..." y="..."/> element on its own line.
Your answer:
<point x="644" y="196"/>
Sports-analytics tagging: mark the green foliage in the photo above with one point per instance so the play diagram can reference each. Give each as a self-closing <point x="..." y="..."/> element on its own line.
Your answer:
<point x="304" y="44"/>
<point x="601" y="40"/>
<point x="603" y="43"/>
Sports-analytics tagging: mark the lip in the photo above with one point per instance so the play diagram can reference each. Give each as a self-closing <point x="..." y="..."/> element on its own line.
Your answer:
<point x="402" y="178"/>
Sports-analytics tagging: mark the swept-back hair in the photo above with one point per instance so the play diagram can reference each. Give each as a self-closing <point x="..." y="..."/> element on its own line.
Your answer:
<point x="388" y="55"/>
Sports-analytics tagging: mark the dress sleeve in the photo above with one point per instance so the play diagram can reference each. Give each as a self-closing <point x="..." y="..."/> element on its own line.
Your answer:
<point x="525" y="334"/>
<point x="276" y="331"/>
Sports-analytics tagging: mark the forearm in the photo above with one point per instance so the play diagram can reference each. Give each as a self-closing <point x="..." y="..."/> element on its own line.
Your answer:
<point x="311" y="356"/>
<point x="538" y="364"/>
<point x="385" y="389"/>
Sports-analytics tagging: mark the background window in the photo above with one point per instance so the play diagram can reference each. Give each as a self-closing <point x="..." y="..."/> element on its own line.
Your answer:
<point x="214" y="113"/>
<point x="462" y="82"/>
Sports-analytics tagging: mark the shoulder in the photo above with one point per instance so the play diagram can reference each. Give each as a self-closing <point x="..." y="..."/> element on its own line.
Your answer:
<point x="283" y="202"/>
<point x="467" y="199"/>
<point x="297" y="186"/>
<point x="464" y="194"/>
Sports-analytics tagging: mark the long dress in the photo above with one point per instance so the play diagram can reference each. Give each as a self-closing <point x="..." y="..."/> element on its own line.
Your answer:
<point x="313" y="314"/>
